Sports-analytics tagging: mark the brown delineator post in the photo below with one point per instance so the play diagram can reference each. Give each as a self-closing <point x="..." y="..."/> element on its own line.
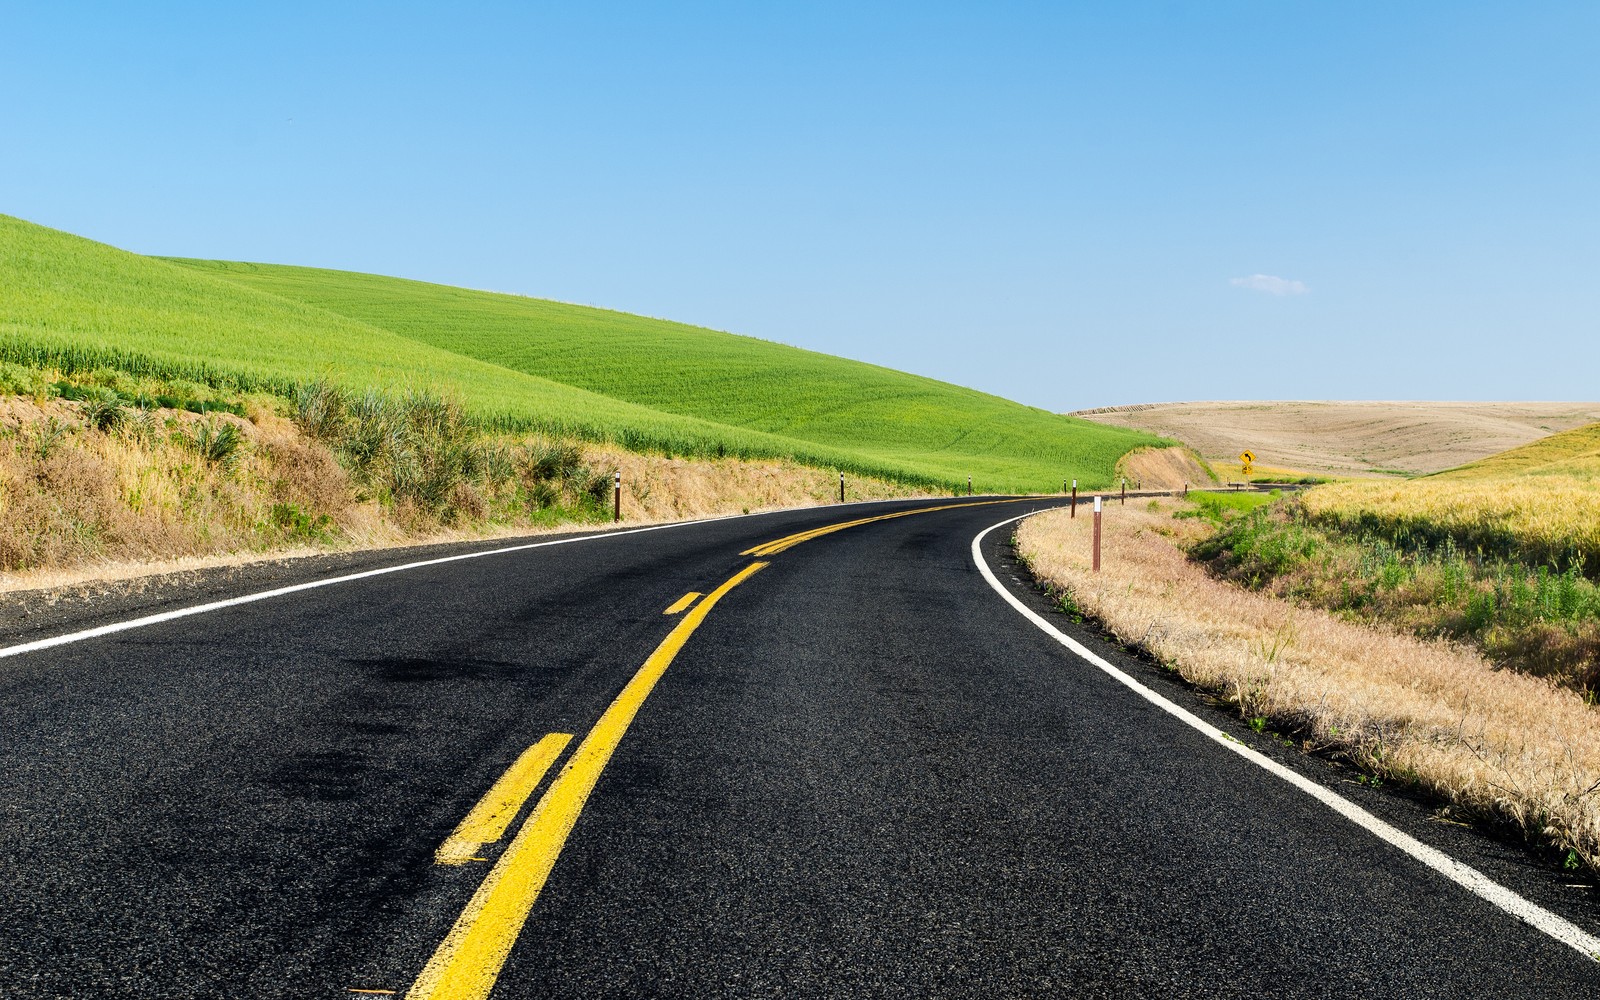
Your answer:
<point x="1124" y="492"/>
<point x="841" y="487"/>
<point x="1186" y="490"/>
<point x="969" y="486"/>
<point x="1074" y="498"/>
<point x="1097" y="534"/>
<point x="616" y="511"/>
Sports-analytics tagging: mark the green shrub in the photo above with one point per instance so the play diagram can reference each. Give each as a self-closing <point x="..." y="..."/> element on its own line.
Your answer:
<point x="1535" y="618"/>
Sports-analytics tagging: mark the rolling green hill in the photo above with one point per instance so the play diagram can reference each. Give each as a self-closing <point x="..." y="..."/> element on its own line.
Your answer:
<point x="528" y="364"/>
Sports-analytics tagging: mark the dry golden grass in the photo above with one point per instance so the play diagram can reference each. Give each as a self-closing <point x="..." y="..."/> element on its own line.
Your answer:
<point x="1537" y="504"/>
<point x="1496" y="745"/>
<point x="1550" y="519"/>
<point x="1350" y="438"/>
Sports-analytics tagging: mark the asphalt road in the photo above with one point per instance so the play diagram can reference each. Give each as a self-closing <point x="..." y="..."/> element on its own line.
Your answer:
<point x="862" y="774"/>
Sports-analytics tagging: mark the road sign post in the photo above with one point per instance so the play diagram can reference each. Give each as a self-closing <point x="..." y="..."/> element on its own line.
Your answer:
<point x="1074" y="498"/>
<point x="616" y="511"/>
<point x="1097" y="534"/>
<point x="841" y="487"/>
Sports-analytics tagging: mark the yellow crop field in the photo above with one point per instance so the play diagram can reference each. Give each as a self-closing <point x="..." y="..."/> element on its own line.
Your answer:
<point x="1537" y="504"/>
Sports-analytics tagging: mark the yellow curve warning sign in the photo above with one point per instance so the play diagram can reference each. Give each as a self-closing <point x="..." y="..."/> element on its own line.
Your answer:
<point x="1247" y="459"/>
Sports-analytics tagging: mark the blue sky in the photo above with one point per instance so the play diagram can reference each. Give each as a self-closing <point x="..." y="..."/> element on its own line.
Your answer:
<point x="1072" y="205"/>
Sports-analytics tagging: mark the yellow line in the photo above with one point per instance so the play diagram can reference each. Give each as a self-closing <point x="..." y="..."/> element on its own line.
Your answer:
<point x="501" y="803"/>
<point x="683" y="602"/>
<point x="469" y="959"/>
<point x="787" y="542"/>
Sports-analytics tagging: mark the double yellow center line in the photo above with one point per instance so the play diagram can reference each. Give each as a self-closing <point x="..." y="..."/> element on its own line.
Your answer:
<point x="788" y="542"/>
<point x="468" y="961"/>
<point x="487" y="821"/>
<point x="471" y="956"/>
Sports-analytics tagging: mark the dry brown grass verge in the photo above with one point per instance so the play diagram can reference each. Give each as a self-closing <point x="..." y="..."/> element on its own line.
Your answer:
<point x="80" y="504"/>
<point x="1496" y="746"/>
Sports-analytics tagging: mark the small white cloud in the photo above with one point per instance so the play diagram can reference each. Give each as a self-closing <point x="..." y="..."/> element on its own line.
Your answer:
<point x="1271" y="284"/>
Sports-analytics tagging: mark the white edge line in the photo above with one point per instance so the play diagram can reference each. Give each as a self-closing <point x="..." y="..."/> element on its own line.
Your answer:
<point x="1463" y="875"/>
<point x="200" y="609"/>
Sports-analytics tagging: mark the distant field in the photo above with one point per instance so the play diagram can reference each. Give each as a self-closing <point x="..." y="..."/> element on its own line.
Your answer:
<point x="1369" y="439"/>
<point x="527" y="364"/>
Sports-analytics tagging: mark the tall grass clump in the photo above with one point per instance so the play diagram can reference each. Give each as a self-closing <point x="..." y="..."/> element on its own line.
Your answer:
<point x="104" y="409"/>
<point x="420" y="452"/>
<point x="1220" y="507"/>
<point x="217" y="441"/>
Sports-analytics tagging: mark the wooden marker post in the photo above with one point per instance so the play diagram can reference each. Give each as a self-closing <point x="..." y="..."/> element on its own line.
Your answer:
<point x="616" y="511"/>
<point x="1124" y="492"/>
<point x="1097" y="534"/>
<point x="969" y="486"/>
<point x="841" y="487"/>
<point x="1074" y="498"/>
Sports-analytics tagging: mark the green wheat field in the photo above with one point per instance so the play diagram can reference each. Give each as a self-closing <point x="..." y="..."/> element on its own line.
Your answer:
<point x="527" y="364"/>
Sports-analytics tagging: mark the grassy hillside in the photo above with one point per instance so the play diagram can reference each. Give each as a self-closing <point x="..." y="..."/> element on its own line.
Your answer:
<point x="909" y="424"/>
<point x="524" y="364"/>
<point x="73" y="303"/>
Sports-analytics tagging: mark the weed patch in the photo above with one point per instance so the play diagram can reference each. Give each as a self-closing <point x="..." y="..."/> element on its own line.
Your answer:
<point x="1218" y="507"/>
<point x="1538" y="619"/>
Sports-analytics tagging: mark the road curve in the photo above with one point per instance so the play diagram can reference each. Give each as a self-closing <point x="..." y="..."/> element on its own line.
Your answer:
<point x="852" y="771"/>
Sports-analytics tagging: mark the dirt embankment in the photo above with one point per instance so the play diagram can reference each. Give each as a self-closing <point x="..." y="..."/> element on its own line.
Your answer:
<point x="1351" y="438"/>
<point x="1165" y="468"/>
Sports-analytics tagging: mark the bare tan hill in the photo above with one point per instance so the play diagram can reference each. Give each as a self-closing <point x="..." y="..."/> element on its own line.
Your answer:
<point x="1351" y="438"/>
